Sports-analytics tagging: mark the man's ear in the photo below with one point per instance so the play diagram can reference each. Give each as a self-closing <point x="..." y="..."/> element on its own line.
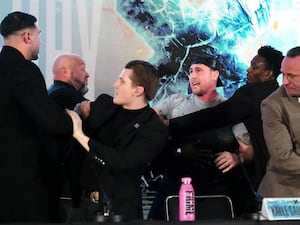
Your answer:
<point x="139" y="90"/>
<point x="26" y="37"/>
<point x="269" y="74"/>
<point x="216" y="74"/>
<point x="64" y="71"/>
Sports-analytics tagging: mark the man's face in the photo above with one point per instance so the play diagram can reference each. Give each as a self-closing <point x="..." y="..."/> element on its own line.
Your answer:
<point x="290" y="68"/>
<point x="124" y="89"/>
<point x="257" y="72"/>
<point x="202" y="79"/>
<point x="79" y="75"/>
<point x="34" y="34"/>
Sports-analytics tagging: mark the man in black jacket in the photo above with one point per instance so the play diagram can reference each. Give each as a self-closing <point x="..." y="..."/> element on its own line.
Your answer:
<point x="68" y="88"/>
<point x="124" y="135"/>
<point x="27" y="110"/>
<point x="243" y="106"/>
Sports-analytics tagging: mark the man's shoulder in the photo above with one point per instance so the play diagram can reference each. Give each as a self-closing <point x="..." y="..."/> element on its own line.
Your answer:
<point x="176" y="97"/>
<point x="270" y="85"/>
<point x="61" y="87"/>
<point x="26" y="72"/>
<point x="155" y="122"/>
<point x="256" y="91"/>
<point x="277" y="94"/>
<point x="103" y="101"/>
<point x="13" y="57"/>
<point x="65" y="96"/>
<point x="104" y="98"/>
<point x="170" y="101"/>
<point x="221" y="98"/>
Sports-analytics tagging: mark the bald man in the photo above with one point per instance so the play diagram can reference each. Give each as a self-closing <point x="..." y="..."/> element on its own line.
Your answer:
<point x="70" y="80"/>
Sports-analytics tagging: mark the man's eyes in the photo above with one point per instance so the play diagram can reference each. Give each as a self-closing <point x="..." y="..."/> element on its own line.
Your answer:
<point x="196" y="71"/>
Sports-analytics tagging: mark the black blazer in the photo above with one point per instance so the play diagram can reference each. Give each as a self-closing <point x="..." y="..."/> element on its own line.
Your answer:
<point x="26" y="111"/>
<point x="243" y="106"/>
<point x="121" y="155"/>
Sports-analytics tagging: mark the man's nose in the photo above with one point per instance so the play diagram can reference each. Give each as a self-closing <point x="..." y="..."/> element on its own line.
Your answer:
<point x="285" y="80"/>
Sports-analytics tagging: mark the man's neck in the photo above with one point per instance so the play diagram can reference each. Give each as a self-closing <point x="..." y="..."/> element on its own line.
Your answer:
<point x="136" y="105"/>
<point x="208" y="96"/>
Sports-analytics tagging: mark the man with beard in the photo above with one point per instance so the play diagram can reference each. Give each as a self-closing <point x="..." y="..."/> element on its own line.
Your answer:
<point x="243" y="106"/>
<point x="26" y="113"/>
<point x="68" y="88"/>
<point x="208" y="157"/>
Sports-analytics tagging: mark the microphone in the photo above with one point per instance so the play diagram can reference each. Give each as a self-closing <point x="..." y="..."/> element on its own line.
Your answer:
<point x="257" y="196"/>
<point x="105" y="215"/>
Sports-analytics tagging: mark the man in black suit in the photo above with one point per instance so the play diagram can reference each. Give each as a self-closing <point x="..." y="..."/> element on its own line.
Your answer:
<point x="243" y="106"/>
<point x="26" y="112"/>
<point x="68" y="88"/>
<point x="125" y="134"/>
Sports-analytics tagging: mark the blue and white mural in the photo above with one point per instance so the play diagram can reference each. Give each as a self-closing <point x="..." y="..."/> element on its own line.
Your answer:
<point x="168" y="33"/>
<point x="178" y="30"/>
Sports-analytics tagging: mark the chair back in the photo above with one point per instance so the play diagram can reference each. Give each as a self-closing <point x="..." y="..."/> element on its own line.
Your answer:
<point x="206" y="206"/>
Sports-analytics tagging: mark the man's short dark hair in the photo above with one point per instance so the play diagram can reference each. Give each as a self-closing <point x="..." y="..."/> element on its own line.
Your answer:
<point x="145" y="75"/>
<point x="16" y="21"/>
<point x="293" y="52"/>
<point x="273" y="58"/>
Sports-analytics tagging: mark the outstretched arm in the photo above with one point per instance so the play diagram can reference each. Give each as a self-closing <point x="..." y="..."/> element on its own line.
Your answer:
<point x="232" y="111"/>
<point x="77" y="130"/>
